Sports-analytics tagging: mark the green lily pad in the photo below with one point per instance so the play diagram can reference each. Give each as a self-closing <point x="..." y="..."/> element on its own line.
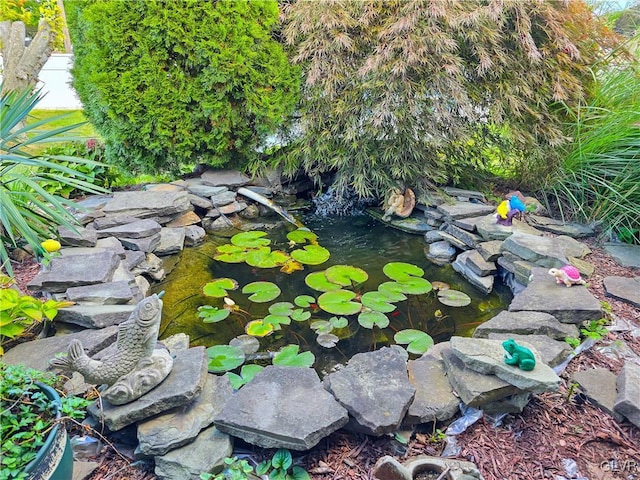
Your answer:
<point x="338" y="322"/>
<point x="454" y="298"/>
<point x="300" y="315"/>
<point x="417" y="341"/>
<point x="393" y="291"/>
<point x="304" y="300"/>
<point x="302" y="235"/>
<point x="327" y="340"/>
<point x="339" y="302"/>
<point x="290" y="357"/>
<point x="346" y="275"/>
<point x="318" y="281"/>
<point x="231" y="253"/>
<point x="223" y="358"/>
<point x="265" y="258"/>
<point x="218" y="287"/>
<point x="377" y="301"/>
<point x="281" y="308"/>
<point x="258" y="328"/>
<point x="247" y="343"/>
<point x="311" y="255"/>
<point x="210" y="314"/>
<point x="251" y="239"/>
<point x="373" y="319"/>
<point x="416" y="286"/>
<point x="277" y="320"/>
<point x="247" y="372"/>
<point x="262" y="291"/>
<point x="321" y="326"/>
<point x="400" y="271"/>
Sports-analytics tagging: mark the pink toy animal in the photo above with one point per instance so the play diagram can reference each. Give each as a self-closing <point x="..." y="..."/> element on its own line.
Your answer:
<point x="569" y="275"/>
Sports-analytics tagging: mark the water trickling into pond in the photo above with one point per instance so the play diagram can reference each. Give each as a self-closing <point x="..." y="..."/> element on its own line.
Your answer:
<point x="355" y="240"/>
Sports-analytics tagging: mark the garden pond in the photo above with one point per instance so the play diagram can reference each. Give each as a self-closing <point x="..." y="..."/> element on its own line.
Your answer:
<point x="358" y="241"/>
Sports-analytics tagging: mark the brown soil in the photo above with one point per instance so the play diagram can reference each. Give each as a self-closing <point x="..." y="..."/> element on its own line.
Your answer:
<point x="528" y="446"/>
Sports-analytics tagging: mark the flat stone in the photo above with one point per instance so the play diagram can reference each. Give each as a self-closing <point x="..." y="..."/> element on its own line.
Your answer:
<point x="151" y="265"/>
<point x="434" y="399"/>
<point x="145" y="204"/>
<point x="466" y="237"/>
<point x="115" y="220"/>
<point x="113" y="244"/>
<point x="134" y="258"/>
<point x="625" y="255"/>
<point x="459" y="192"/>
<point x="82" y="237"/>
<point x="628" y="399"/>
<point x="487" y="356"/>
<point x="295" y="412"/>
<point x="490" y="230"/>
<point x="552" y="352"/>
<point x="526" y="323"/>
<point x="230" y="178"/>
<point x="233" y="207"/>
<point x="512" y="404"/>
<point x="37" y="353"/>
<point x="74" y="270"/>
<point x="479" y="265"/>
<point x="194" y="235"/>
<point x="432" y="236"/>
<point x="431" y="213"/>
<point x="182" y="424"/>
<point x="163" y="187"/>
<point x="185" y="219"/>
<point x="574" y="230"/>
<point x="549" y="252"/>
<point x="137" y="229"/>
<point x="585" y="268"/>
<point x="453" y="240"/>
<point x="464" y="209"/>
<point x="475" y="389"/>
<point x="182" y="386"/>
<point x="207" y="452"/>
<point x="623" y="288"/>
<point x="147" y="244"/>
<point x="413" y="224"/>
<point x="200" y="202"/>
<point x="82" y="470"/>
<point x="110" y="293"/>
<point x="460" y="265"/>
<point x="468" y="223"/>
<point x="599" y="385"/>
<point x="171" y="241"/>
<point x="440" y="253"/>
<point x="374" y="387"/>
<point x="568" y="304"/>
<point x="224" y="198"/>
<point x="491" y="250"/>
<point x="95" y="316"/>
<point x="202" y="190"/>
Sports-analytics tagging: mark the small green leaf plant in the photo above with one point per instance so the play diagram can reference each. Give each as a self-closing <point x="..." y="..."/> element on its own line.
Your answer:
<point x="233" y="469"/>
<point x="280" y="467"/>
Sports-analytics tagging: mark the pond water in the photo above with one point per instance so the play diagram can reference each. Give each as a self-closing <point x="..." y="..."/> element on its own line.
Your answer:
<point x="355" y="240"/>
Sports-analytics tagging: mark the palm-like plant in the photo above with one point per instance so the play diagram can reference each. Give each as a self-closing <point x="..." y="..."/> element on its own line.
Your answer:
<point x="28" y="212"/>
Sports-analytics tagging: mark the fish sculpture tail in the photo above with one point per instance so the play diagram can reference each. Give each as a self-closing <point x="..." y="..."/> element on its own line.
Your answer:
<point x="74" y="353"/>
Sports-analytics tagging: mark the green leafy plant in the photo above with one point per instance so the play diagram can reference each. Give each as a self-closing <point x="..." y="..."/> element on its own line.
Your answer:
<point x="233" y="469"/>
<point x="595" y="329"/>
<point x="28" y="416"/>
<point x="28" y="212"/>
<point x="280" y="467"/>
<point x="572" y="341"/>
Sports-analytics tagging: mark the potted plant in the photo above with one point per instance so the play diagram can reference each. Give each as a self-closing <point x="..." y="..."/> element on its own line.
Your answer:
<point x="33" y="439"/>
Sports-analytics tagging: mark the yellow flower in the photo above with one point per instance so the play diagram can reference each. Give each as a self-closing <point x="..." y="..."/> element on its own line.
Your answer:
<point x="51" y="245"/>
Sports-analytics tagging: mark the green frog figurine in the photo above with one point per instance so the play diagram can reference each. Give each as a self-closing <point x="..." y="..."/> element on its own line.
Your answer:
<point x="518" y="355"/>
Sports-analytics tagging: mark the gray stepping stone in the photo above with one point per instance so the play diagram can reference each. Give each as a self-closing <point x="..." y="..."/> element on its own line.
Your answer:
<point x="282" y="407"/>
<point x="552" y="352"/>
<point x="146" y="244"/>
<point x="599" y="385"/>
<point x="182" y="424"/>
<point x="202" y="190"/>
<point x="415" y="223"/>
<point x="185" y="219"/>
<point x="194" y="235"/>
<point x="233" y="207"/>
<point x="487" y="356"/>
<point x="95" y="316"/>
<point x="110" y="293"/>
<point x="82" y="237"/>
<point x="112" y="244"/>
<point x="574" y="230"/>
<point x="182" y="386"/>
<point x="459" y="192"/>
<point x="625" y="255"/>
<point x="464" y="209"/>
<point x="171" y="241"/>
<point x="628" y="398"/>
<point x="469" y="223"/>
<point x="550" y="252"/>
<point x="469" y="239"/>
<point x="146" y="204"/>
<point x="568" y="304"/>
<point x="224" y="198"/>
<point x="453" y="240"/>
<point x="490" y="230"/>
<point x="231" y="178"/>
<point x="440" y="252"/>
<point x="461" y="265"/>
<point x="479" y="265"/>
<point x="374" y="387"/>
<point x="110" y="221"/>
<point x="526" y="323"/>
<point x="138" y="229"/>
<point x="623" y="288"/>
<point x="434" y="399"/>
<point x="491" y="250"/>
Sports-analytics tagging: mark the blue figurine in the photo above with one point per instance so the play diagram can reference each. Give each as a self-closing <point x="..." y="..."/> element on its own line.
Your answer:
<point x="516" y="204"/>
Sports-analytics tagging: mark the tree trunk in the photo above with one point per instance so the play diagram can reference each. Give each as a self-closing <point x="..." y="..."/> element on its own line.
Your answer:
<point x="22" y="64"/>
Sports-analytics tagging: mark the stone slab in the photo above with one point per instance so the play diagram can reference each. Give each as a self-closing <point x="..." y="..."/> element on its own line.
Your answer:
<point x="95" y="316"/>
<point x="623" y="288"/>
<point x="182" y="386"/>
<point x="231" y="178"/>
<point x="552" y="352"/>
<point x="460" y="265"/>
<point x="526" y="323"/>
<point x="146" y="244"/>
<point x="466" y="237"/>
<point x="571" y="229"/>
<point x="549" y="252"/>
<point x="599" y="385"/>
<point x="434" y="399"/>
<point x="628" y="399"/>
<point x="137" y="229"/>
<point x="145" y="204"/>
<point x="110" y="293"/>
<point x="490" y="230"/>
<point x="491" y="250"/>
<point x="171" y="241"/>
<point x="464" y="209"/>
<point x="625" y="255"/>
<point x="478" y="265"/>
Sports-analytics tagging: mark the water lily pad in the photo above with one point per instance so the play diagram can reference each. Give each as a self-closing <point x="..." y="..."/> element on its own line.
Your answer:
<point x="401" y="271"/>
<point x="393" y="291"/>
<point x="338" y="322"/>
<point x="304" y="300"/>
<point x="262" y="291"/>
<point x="318" y="281"/>
<point x="327" y="340"/>
<point x="377" y="301"/>
<point x="265" y="258"/>
<point x="290" y="357"/>
<point x="417" y="341"/>
<point x="346" y="275"/>
<point x="416" y="286"/>
<point x="277" y="320"/>
<point x="302" y="235"/>
<point x="258" y="328"/>
<point x="231" y="253"/>
<point x="339" y="302"/>
<point x="311" y="255"/>
<point x="281" y="308"/>
<point x="247" y="343"/>
<point x="440" y="285"/>
<point x="300" y="315"/>
<point x="291" y="266"/>
<point x="321" y="326"/>
<point x="373" y="319"/>
<point x="454" y="298"/>
<point x="218" y="287"/>
<point x="223" y="358"/>
<point x="210" y="314"/>
<point x="250" y="239"/>
<point x="247" y="372"/>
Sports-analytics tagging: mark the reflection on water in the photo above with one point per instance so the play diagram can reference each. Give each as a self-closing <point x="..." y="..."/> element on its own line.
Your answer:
<point x="360" y="241"/>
